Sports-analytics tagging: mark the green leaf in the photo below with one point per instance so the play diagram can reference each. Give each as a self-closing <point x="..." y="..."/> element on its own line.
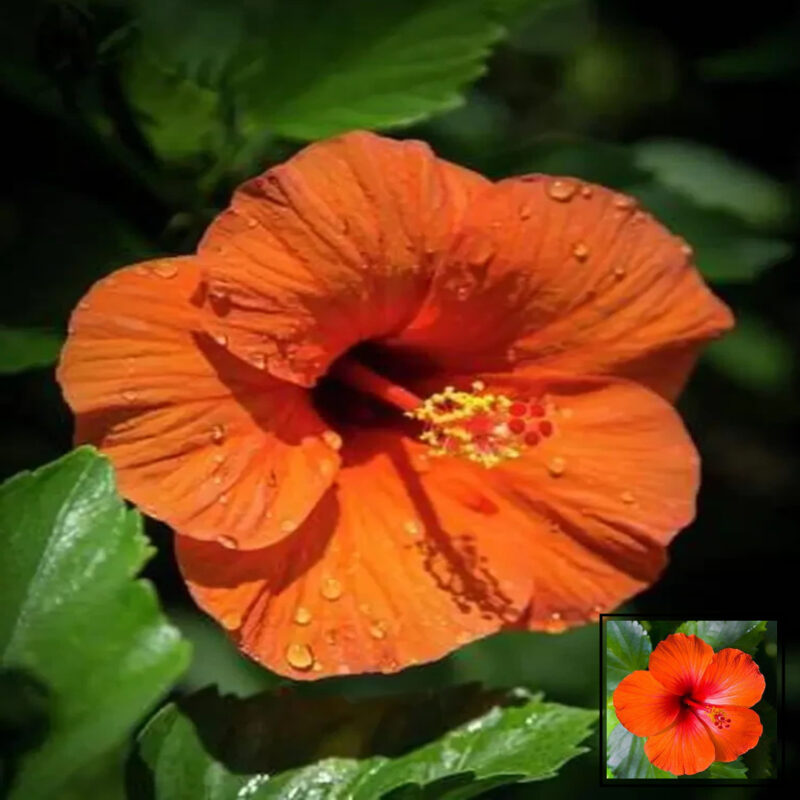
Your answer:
<point x="759" y="760"/>
<point x="725" y="250"/>
<point x="27" y="348"/>
<point x="330" y="67"/>
<point x="73" y="619"/>
<point x="742" y="635"/>
<point x="212" y="748"/>
<point x="628" y="648"/>
<point x="753" y="355"/>
<point x="712" y="179"/>
<point x="626" y="757"/>
<point x="661" y="628"/>
<point x="727" y="770"/>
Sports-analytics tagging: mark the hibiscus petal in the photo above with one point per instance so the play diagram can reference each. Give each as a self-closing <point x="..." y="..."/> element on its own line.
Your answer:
<point x="731" y="677"/>
<point x="198" y="438"/>
<point x="586" y="285"/>
<point x="599" y="497"/>
<point x="679" y="661"/>
<point x="685" y="748"/>
<point x="643" y="705"/>
<point x="391" y="569"/>
<point x="331" y="248"/>
<point x="733" y="730"/>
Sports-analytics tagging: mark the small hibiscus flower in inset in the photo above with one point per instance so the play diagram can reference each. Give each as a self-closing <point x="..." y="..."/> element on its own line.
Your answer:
<point x="390" y="407"/>
<point x="692" y="704"/>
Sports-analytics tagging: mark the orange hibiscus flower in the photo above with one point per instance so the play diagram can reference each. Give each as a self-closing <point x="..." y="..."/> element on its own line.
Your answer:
<point x="313" y="399"/>
<point x="692" y="705"/>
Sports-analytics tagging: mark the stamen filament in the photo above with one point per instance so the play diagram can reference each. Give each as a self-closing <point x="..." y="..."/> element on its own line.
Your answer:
<point x="365" y="380"/>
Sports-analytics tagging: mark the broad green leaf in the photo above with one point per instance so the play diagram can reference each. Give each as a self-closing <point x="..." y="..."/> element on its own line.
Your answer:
<point x="759" y="760"/>
<point x="73" y="618"/>
<point x="732" y="770"/>
<point x="325" y="68"/>
<point x="753" y="355"/>
<point x="294" y="745"/>
<point x="712" y="179"/>
<point x="27" y="348"/>
<point x="628" y="648"/>
<point x="742" y="635"/>
<point x="661" y="628"/>
<point x="626" y="758"/>
<point x="725" y="250"/>
<point x="611" y="718"/>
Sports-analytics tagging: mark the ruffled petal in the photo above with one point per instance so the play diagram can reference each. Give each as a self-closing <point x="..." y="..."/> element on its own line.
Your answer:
<point x="685" y="748"/>
<point x="733" y="678"/>
<point x="733" y="730"/>
<point x="643" y="705"/>
<point x="198" y="438"/>
<point x="679" y="661"/>
<point x="602" y="494"/>
<point x="586" y="284"/>
<point x="333" y="247"/>
<point x="393" y="568"/>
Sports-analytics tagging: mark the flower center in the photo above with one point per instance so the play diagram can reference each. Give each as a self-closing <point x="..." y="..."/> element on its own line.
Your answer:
<point x="717" y="716"/>
<point x="479" y="426"/>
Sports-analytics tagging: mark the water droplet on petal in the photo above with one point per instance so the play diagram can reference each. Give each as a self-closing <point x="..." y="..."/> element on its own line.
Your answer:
<point x="580" y="251"/>
<point x="218" y="434"/>
<point x="251" y="223"/>
<point x="586" y="191"/>
<point x="83" y="305"/>
<point x="129" y="395"/>
<point x="231" y="620"/>
<point x="686" y="248"/>
<point x="562" y="190"/>
<point x="377" y="630"/>
<point x="223" y="499"/>
<point x="413" y="527"/>
<point x="624" y="203"/>
<point x="525" y="211"/>
<point x="258" y="360"/>
<point x="220" y="338"/>
<point x="165" y="269"/>
<point x="619" y="273"/>
<point x="228" y="542"/>
<point x="331" y="589"/>
<point x="288" y="526"/>
<point x="332" y="439"/>
<point x="299" y="656"/>
<point x="628" y="498"/>
<point x="557" y="466"/>
<point x="302" y="616"/>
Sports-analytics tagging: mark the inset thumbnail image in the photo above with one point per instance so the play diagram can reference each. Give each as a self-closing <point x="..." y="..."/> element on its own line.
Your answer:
<point x="690" y="699"/>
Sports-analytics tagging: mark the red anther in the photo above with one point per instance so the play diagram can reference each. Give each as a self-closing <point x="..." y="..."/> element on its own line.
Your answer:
<point x="531" y="438"/>
<point x="546" y="427"/>
<point x="517" y="409"/>
<point x="536" y="410"/>
<point x="516" y="426"/>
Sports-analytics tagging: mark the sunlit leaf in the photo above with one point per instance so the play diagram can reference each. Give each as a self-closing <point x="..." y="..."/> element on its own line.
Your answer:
<point x="742" y="635"/>
<point x="27" y="348"/>
<point x="290" y="745"/>
<point x="713" y="179"/>
<point x="628" y="648"/>
<point x="74" y="620"/>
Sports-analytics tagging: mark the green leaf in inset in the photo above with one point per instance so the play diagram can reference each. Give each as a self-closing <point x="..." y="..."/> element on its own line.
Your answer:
<point x="212" y="748"/>
<point x="73" y="618"/>
<point x="628" y="648"/>
<point x="726" y="770"/>
<point x="742" y="635"/>
<point x="753" y="355"/>
<point x="331" y="67"/>
<point x="712" y="179"/>
<point x="760" y="759"/>
<point x="626" y="757"/>
<point x="27" y="348"/>
<point x="725" y="250"/>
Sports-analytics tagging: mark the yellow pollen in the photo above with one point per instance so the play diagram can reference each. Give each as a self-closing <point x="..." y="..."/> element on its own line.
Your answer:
<point x="481" y="426"/>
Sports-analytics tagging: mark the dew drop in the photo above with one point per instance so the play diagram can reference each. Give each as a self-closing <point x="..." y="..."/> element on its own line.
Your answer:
<point x="317" y="667"/>
<point x="624" y="203"/>
<point x="525" y="211"/>
<point x="413" y="527"/>
<point x="586" y="191"/>
<point x="302" y="616"/>
<point x="288" y="526"/>
<point x="686" y="249"/>
<point x="332" y="439"/>
<point x="228" y="542"/>
<point x="223" y="499"/>
<point x="231" y="620"/>
<point x="561" y="190"/>
<point x="220" y="338"/>
<point x="331" y="589"/>
<point x="377" y="630"/>
<point x="258" y="360"/>
<point x="557" y="466"/>
<point x="628" y="498"/>
<point x="619" y="273"/>
<point x="218" y="434"/>
<point x="299" y="656"/>
<point x="251" y="223"/>
<point x="165" y="269"/>
<point x="580" y="251"/>
<point x="129" y="395"/>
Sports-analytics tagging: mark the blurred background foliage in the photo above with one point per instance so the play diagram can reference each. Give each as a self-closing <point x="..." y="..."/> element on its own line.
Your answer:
<point x="128" y="123"/>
